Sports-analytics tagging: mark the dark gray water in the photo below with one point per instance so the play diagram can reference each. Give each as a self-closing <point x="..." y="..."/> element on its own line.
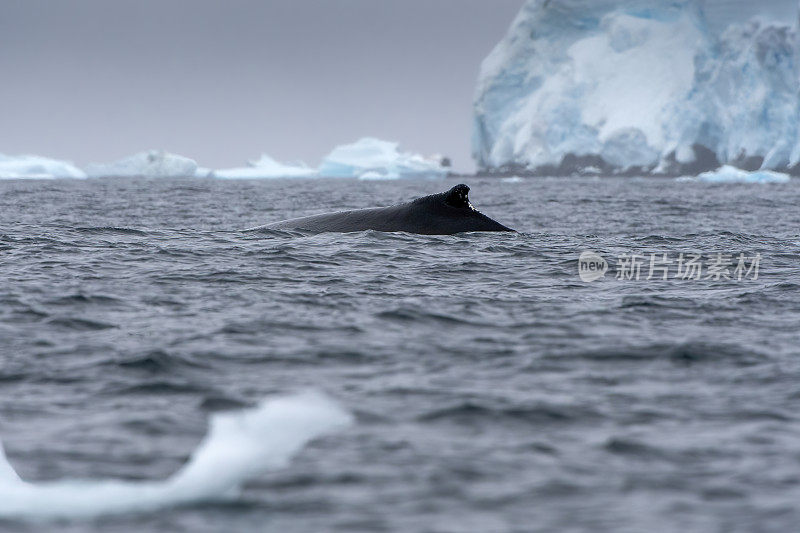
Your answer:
<point x="493" y="389"/>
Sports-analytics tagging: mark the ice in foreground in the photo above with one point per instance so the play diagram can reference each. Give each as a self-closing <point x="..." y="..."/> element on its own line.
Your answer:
<point x="730" y="174"/>
<point x="239" y="446"/>
<point x="266" y="167"/>
<point x="149" y="164"/>
<point x="371" y="158"/>
<point x="641" y="86"/>
<point x="36" y="167"/>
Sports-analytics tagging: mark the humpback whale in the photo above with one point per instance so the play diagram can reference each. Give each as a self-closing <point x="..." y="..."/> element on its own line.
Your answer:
<point x="438" y="214"/>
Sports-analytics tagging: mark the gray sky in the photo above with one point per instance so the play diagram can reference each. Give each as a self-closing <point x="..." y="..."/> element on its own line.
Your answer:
<point x="222" y="81"/>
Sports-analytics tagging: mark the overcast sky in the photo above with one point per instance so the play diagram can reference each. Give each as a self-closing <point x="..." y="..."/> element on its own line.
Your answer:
<point x="223" y="81"/>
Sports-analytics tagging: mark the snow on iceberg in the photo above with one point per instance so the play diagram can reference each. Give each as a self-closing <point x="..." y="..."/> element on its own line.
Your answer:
<point x="731" y="174"/>
<point x="238" y="447"/>
<point x="149" y="164"/>
<point x="266" y="167"/>
<point x="642" y="86"/>
<point x="371" y="158"/>
<point x="36" y="167"/>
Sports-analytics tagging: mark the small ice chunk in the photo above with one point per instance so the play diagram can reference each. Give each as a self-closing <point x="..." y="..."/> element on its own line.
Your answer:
<point x="731" y="174"/>
<point x="376" y="176"/>
<point x="239" y="446"/>
<point x="267" y="167"/>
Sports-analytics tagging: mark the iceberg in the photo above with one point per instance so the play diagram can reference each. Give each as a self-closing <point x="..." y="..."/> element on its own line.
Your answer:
<point x="371" y="159"/>
<point x="731" y="174"/>
<point x="203" y="172"/>
<point x="266" y="167"/>
<point x="37" y="167"/>
<point x="642" y="87"/>
<point x="239" y="446"/>
<point x="149" y="164"/>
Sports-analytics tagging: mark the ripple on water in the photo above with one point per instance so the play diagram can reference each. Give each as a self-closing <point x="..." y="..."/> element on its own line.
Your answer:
<point x="472" y="412"/>
<point x="109" y="230"/>
<point x="79" y="324"/>
<point x="684" y="352"/>
<point x="157" y="362"/>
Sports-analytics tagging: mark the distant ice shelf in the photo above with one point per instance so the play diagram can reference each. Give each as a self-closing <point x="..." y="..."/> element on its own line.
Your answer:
<point x="37" y="167"/>
<point x="642" y="87"/>
<point x="367" y="159"/>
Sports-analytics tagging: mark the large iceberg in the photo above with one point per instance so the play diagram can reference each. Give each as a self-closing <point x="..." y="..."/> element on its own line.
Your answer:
<point x="266" y="167"/>
<point x="37" y="167"/>
<point x="371" y="158"/>
<point x="642" y="86"/>
<point x="149" y="164"/>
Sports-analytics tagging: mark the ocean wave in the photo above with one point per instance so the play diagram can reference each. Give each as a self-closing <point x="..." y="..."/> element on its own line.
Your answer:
<point x="88" y="299"/>
<point x="156" y="362"/>
<point x="470" y="411"/>
<point x="685" y="352"/>
<point x="106" y="230"/>
<point x="80" y="324"/>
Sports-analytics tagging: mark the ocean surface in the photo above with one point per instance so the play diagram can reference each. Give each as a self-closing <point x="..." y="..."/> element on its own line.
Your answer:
<point x="492" y="389"/>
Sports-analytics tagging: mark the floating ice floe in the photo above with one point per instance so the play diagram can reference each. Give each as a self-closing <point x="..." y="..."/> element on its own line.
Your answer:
<point x="239" y="446"/>
<point x="640" y="86"/>
<point x="730" y="174"/>
<point x="149" y="164"/>
<point x="266" y="167"/>
<point x="37" y="167"/>
<point x="373" y="159"/>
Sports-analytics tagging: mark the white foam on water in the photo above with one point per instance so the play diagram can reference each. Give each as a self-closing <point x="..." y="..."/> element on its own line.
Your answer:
<point x="238" y="446"/>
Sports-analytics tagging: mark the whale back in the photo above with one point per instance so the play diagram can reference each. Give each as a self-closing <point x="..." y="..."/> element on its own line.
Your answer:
<point x="444" y="213"/>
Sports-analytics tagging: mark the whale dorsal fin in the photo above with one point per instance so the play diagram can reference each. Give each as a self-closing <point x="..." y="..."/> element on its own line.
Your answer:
<point x="458" y="196"/>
